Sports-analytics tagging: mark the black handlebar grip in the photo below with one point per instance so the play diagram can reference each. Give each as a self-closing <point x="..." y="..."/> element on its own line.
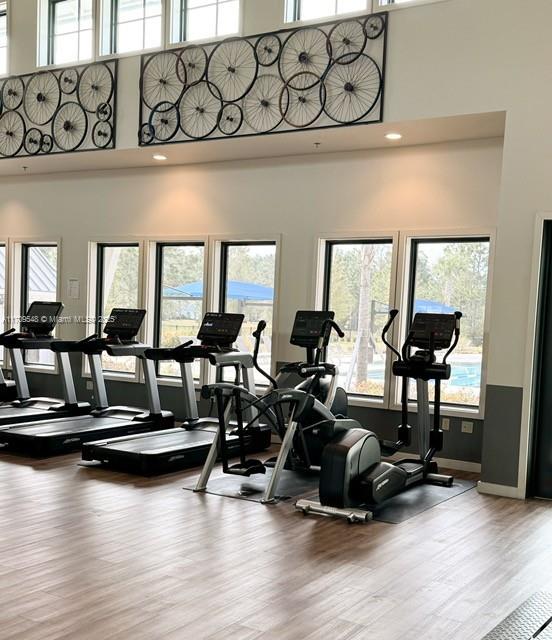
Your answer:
<point x="260" y="328"/>
<point x="393" y="313"/>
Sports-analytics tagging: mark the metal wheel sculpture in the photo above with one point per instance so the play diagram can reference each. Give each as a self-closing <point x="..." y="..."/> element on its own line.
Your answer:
<point x="70" y="126"/>
<point x="232" y="68"/>
<point x="102" y="134"/>
<point x="347" y="39"/>
<point x="104" y="112"/>
<point x="33" y="141"/>
<point x="374" y="27"/>
<point x="192" y="65"/>
<point x="69" y="80"/>
<point x="160" y="80"/>
<point x="199" y="109"/>
<point x="230" y="119"/>
<point x="95" y="86"/>
<point x="164" y="120"/>
<point x="352" y="90"/>
<point x="262" y="104"/>
<point x="146" y="134"/>
<point x="42" y="97"/>
<point x="12" y="133"/>
<point x="268" y="49"/>
<point x="12" y="93"/>
<point x="305" y="50"/>
<point x="47" y="143"/>
<point x="302" y="107"/>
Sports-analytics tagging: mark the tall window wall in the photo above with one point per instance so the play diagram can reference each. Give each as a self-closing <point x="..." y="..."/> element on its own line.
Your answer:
<point x="71" y="33"/>
<point x="3" y="38"/>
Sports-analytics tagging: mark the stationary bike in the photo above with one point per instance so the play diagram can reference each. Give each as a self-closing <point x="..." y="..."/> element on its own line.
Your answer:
<point x="353" y="477"/>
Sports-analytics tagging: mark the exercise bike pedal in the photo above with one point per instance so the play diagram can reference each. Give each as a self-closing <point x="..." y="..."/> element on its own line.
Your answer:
<point x="250" y="468"/>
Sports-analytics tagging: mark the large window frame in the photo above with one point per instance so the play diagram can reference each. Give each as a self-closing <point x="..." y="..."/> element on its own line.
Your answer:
<point x="292" y="9"/>
<point x="5" y="16"/>
<point x="109" y="23"/>
<point x="51" y="35"/>
<point x="179" y="21"/>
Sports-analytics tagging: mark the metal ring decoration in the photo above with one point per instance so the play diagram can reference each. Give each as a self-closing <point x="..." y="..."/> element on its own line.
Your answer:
<point x="146" y="134"/>
<point x="302" y="107"/>
<point x="164" y="121"/>
<point x="230" y="119"/>
<point x="70" y="126"/>
<point x="192" y="65"/>
<point x="347" y="41"/>
<point x="69" y="80"/>
<point x="96" y="85"/>
<point x="232" y="68"/>
<point x="12" y="133"/>
<point x="268" y="49"/>
<point x="12" y="93"/>
<point x="160" y="80"/>
<point x="104" y="112"/>
<point x="307" y="49"/>
<point x="42" y="97"/>
<point x="199" y="108"/>
<point x="47" y="143"/>
<point x="352" y="89"/>
<point x="33" y="141"/>
<point x="374" y="26"/>
<point x="102" y="134"/>
<point x="262" y="104"/>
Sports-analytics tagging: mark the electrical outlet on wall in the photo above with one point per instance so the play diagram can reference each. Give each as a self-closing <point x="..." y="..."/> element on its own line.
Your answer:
<point x="89" y="385"/>
<point x="445" y="424"/>
<point x="467" y="427"/>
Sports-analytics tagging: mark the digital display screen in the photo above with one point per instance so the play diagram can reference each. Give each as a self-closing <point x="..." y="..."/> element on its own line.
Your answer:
<point x="124" y="321"/>
<point x="220" y="327"/>
<point x="307" y="328"/>
<point x="441" y="325"/>
<point x="41" y="317"/>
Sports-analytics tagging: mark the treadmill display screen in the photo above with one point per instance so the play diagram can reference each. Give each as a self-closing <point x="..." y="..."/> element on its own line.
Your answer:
<point x="307" y="328"/>
<point x="41" y="317"/>
<point x="124" y="323"/>
<point x="441" y="325"/>
<point x="220" y="328"/>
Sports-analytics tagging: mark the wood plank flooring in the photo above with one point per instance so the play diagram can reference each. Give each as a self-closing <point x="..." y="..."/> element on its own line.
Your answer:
<point x="88" y="554"/>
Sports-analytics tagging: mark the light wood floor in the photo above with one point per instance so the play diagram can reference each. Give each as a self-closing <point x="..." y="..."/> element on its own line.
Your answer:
<point x="89" y="554"/>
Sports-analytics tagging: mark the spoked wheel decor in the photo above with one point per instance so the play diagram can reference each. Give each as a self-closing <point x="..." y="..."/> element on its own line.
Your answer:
<point x="232" y="68"/>
<point x="68" y="81"/>
<point x="352" y="89"/>
<point x="33" y="141"/>
<point x="347" y="41"/>
<point x="191" y="65"/>
<point x="42" y="97"/>
<point x="230" y="119"/>
<point x="164" y="121"/>
<point x="268" y="49"/>
<point x="374" y="26"/>
<point x="70" y="126"/>
<point x="305" y="50"/>
<point x="199" y="110"/>
<point x="160" y="81"/>
<point x="102" y="134"/>
<point x="301" y="107"/>
<point x="146" y="134"/>
<point x="12" y="133"/>
<point x="47" y="143"/>
<point x="262" y="104"/>
<point x="96" y="86"/>
<point x="12" y="93"/>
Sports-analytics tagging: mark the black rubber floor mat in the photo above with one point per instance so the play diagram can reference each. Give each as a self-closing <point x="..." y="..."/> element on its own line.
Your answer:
<point x="291" y="485"/>
<point x="533" y="619"/>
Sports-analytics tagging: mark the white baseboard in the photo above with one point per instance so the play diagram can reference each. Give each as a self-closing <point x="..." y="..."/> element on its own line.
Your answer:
<point x="501" y="490"/>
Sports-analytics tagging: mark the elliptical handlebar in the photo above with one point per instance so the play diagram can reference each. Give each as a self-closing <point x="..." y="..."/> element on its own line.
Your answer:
<point x="258" y="334"/>
<point x="458" y="315"/>
<point x="393" y="313"/>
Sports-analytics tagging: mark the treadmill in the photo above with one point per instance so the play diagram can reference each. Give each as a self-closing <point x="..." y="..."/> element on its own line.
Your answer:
<point x="187" y="446"/>
<point x="36" y="333"/>
<point x="63" y="435"/>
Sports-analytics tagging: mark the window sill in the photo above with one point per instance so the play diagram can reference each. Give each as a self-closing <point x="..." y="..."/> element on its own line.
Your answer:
<point x="447" y="411"/>
<point x="203" y="41"/>
<point x="41" y="368"/>
<point x="112" y="375"/>
<point x="58" y="67"/>
<point x="293" y="24"/>
<point x="405" y="5"/>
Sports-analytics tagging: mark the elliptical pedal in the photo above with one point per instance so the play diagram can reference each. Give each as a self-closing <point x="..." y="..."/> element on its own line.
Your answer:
<point x="248" y="468"/>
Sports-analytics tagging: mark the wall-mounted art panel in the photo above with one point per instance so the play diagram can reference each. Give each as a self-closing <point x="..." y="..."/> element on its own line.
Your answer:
<point x="304" y="78"/>
<point x="59" y="110"/>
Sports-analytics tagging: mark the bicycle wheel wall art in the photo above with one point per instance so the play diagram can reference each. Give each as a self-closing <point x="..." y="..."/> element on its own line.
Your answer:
<point x="58" y="111"/>
<point x="312" y="77"/>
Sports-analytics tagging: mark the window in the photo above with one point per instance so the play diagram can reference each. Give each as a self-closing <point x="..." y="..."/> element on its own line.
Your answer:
<point x="117" y="286"/>
<point x="357" y="288"/>
<point x="180" y="295"/>
<point x="248" y="274"/>
<point x="201" y="19"/>
<point x="3" y="38"/>
<point x="70" y="31"/>
<point x="2" y="294"/>
<point x="313" y="9"/>
<point x="39" y="283"/>
<point x="447" y="275"/>
<point x="131" y="25"/>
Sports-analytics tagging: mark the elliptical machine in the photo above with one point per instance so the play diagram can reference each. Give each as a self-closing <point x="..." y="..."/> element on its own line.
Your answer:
<point x="353" y="478"/>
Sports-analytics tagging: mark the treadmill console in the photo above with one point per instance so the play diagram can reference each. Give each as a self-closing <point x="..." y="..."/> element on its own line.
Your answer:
<point x="307" y="328"/>
<point x="220" y="329"/>
<point x="124" y="323"/>
<point x="41" y="318"/>
<point x="441" y="325"/>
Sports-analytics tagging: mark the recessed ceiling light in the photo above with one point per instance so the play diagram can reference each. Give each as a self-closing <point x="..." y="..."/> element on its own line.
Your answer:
<point x="159" y="157"/>
<point x="393" y="136"/>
